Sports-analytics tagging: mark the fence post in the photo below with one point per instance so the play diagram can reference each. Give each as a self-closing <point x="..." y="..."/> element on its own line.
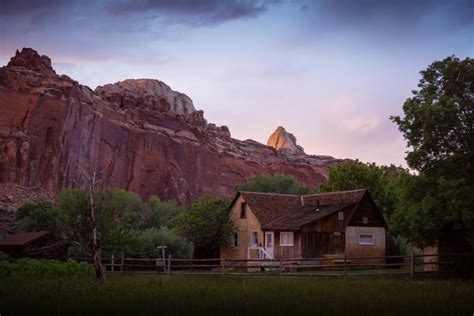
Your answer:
<point x="281" y="266"/>
<point x="412" y="264"/>
<point x="122" y="257"/>
<point x="345" y="264"/>
<point x="223" y="264"/>
<point x="169" y="264"/>
<point x="112" y="262"/>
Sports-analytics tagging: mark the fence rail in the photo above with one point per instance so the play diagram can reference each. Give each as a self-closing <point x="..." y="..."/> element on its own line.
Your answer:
<point x="410" y="265"/>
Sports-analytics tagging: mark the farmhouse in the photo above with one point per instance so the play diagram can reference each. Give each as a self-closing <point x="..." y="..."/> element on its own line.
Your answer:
<point x="274" y="226"/>
<point x="40" y="245"/>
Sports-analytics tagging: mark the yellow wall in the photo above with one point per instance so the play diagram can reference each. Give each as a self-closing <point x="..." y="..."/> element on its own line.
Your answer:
<point x="353" y="249"/>
<point x="244" y="226"/>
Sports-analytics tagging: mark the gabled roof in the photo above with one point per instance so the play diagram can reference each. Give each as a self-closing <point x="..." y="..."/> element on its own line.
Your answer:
<point x="268" y="206"/>
<point x="22" y="238"/>
<point x="291" y="210"/>
<point x="305" y="215"/>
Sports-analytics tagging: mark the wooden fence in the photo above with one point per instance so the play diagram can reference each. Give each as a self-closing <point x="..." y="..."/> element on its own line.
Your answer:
<point x="411" y="265"/>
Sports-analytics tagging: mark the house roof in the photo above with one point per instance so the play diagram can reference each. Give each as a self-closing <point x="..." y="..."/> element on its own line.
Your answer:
<point x="305" y="215"/>
<point x="291" y="211"/>
<point x="22" y="238"/>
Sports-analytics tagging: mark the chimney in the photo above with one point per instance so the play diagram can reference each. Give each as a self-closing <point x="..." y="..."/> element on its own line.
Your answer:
<point x="302" y="200"/>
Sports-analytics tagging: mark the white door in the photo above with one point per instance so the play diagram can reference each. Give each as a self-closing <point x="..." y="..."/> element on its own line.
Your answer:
<point x="270" y="244"/>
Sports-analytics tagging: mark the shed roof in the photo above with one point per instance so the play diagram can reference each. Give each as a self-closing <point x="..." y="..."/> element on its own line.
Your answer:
<point x="22" y="238"/>
<point x="291" y="210"/>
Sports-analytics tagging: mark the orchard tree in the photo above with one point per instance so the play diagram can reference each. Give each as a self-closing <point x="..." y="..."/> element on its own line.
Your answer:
<point x="438" y="124"/>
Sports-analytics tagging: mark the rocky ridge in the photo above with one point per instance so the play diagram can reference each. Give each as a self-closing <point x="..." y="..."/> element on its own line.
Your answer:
<point x="144" y="136"/>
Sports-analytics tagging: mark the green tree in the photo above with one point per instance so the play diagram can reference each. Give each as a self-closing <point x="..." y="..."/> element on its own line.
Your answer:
<point x="276" y="183"/>
<point x="381" y="181"/>
<point x="438" y="120"/>
<point x="41" y="216"/>
<point x="438" y="124"/>
<point x="206" y="225"/>
<point x="157" y="213"/>
<point x="117" y="213"/>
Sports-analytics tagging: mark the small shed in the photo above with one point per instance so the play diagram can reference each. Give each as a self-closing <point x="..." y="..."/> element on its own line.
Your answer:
<point x="39" y="245"/>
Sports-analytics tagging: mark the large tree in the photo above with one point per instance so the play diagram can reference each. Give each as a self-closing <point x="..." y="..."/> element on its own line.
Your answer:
<point x="276" y="183"/>
<point x="206" y="225"/>
<point x="438" y="124"/>
<point x="381" y="181"/>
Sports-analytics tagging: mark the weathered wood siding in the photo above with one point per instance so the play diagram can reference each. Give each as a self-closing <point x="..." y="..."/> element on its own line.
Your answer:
<point x="288" y="252"/>
<point x="244" y="226"/>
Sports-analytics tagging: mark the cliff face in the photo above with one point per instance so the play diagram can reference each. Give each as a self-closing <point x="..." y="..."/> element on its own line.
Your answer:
<point x="142" y="135"/>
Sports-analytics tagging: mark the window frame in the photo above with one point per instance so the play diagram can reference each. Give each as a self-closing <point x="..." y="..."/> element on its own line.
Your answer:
<point x="288" y="244"/>
<point x="340" y="215"/>
<point x="252" y="244"/>
<point x="365" y="220"/>
<point x="234" y="236"/>
<point x="243" y="210"/>
<point x="365" y="243"/>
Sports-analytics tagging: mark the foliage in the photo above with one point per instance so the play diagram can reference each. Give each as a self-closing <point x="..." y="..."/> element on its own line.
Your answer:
<point x="381" y="181"/>
<point x="41" y="216"/>
<point x="156" y="213"/>
<point x="147" y="240"/>
<point x="438" y="124"/>
<point x="276" y="183"/>
<point x="438" y="120"/>
<point x="34" y="268"/>
<point x="207" y="223"/>
<point x="117" y="214"/>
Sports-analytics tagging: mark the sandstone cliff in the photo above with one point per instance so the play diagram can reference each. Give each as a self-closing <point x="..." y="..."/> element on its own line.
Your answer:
<point x="144" y="136"/>
<point x="282" y="140"/>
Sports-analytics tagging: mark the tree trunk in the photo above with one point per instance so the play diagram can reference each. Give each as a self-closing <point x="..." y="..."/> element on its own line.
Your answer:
<point x="99" y="271"/>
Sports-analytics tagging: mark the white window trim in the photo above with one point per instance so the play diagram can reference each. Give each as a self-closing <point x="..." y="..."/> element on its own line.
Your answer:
<point x="366" y="243"/>
<point x="236" y="234"/>
<point x="251" y="239"/>
<point x="292" y="239"/>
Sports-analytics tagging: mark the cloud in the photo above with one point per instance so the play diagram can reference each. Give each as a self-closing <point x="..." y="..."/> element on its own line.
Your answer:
<point x="190" y="12"/>
<point x="392" y="14"/>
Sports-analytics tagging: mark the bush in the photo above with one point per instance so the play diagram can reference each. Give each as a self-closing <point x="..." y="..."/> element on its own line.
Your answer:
<point x="44" y="268"/>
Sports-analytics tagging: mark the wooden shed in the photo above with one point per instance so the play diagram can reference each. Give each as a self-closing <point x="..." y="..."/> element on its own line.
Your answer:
<point x="40" y="245"/>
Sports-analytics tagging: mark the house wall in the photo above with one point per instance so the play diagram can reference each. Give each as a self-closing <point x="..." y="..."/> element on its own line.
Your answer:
<point x="354" y="249"/>
<point x="288" y="252"/>
<point x="244" y="226"/>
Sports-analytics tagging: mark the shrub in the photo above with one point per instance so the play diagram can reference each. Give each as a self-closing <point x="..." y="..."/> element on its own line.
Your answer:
<point x="44" y="268"/>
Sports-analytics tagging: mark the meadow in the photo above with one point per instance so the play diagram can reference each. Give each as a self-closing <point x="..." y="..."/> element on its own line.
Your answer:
<point x="234" y="295"/>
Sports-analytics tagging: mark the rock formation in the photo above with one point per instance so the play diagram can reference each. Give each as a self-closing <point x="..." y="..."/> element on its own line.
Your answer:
<point x="142" y="135"/>
<point x="282" y="140"/>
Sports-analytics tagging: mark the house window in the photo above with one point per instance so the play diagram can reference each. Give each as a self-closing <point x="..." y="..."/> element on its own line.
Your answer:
<point x="234" y="240"/>
<point x="340" y="216"/>
<point x="365" y="220"/>
<point x="286" y="239"/>
<point x="242" y="210"/>
<point x="254" y="239"/>
<point x="366" y="239"/>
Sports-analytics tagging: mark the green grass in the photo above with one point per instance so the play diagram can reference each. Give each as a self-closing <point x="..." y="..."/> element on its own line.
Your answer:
<point x="235" y="295"/>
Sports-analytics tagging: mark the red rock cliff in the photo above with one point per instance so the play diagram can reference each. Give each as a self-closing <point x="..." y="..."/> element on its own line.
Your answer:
<point x="144" y="136"/>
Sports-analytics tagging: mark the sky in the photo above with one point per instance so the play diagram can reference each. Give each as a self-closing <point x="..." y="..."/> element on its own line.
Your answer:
<point x="331" y="72"/>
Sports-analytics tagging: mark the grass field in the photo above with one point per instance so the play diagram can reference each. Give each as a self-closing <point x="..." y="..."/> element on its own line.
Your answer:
<point x="235" y="295"/>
